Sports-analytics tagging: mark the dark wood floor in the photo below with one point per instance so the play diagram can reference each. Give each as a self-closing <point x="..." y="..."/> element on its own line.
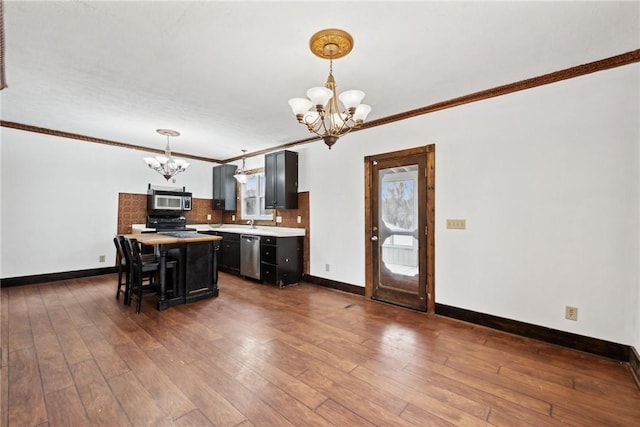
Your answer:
<point x="302" y="356"/>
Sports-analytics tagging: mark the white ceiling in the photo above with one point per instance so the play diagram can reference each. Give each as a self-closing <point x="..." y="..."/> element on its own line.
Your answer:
<point x="221" y="72"/>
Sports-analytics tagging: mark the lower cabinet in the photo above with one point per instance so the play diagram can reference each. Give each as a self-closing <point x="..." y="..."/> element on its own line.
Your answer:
<point x="197" y="272"/>
<point x="229" y="253"/>
<point x="281" y="260"/>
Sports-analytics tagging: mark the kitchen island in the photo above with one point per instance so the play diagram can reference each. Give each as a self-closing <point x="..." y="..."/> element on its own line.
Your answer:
<point x="197" y="256"/>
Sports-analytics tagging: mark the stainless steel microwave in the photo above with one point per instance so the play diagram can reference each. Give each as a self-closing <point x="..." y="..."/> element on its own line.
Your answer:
<point x="161" y="200"/>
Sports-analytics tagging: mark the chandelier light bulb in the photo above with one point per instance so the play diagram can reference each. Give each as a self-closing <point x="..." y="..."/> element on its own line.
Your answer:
<point x="351" y="99"/>
<point x="319" y="96"/>
<point x="300" y="106"/>
<point x="361" y="113"/>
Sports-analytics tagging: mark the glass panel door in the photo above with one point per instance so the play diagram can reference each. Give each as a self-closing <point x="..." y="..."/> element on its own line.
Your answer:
<point x="398" y="230"/>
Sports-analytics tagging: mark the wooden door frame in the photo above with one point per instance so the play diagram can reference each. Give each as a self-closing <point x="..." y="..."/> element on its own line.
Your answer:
<point x="430" y="152"/>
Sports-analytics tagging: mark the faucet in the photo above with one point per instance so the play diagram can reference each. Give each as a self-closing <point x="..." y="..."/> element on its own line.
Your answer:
<point x="250" y="222"/>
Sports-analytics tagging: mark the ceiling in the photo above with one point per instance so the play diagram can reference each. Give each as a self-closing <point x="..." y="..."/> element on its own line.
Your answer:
<point x="221" y="72"/>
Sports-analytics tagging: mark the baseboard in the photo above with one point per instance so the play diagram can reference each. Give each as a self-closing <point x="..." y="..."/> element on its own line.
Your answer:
<point x="596" y="346"/>
<point x="328" y="283"/>
<point x="52" y="277"/>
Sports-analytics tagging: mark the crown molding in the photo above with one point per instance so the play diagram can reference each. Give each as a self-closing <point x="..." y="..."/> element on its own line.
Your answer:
<point x="545" y="79"/>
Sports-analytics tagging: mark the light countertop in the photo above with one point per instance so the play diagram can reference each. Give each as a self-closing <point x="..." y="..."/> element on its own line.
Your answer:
<point x="259" y="230"/>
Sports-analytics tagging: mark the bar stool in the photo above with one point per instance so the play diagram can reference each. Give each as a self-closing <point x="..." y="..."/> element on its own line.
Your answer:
<point x="123" y="269"/>
<point x="144" y="267"/>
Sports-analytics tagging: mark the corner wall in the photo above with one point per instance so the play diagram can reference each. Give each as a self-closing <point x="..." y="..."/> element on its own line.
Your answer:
<point x="547" y="180"/>
<point x="60" y="200"/>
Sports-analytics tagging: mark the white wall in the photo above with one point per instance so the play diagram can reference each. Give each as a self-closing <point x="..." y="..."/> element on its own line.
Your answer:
<point x="60" y="200"/>
<point x="547" y="180"/>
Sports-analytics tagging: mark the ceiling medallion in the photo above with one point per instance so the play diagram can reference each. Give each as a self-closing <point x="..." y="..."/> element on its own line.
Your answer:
<point x="331" y="43"/>
<point x="320" y="112"/>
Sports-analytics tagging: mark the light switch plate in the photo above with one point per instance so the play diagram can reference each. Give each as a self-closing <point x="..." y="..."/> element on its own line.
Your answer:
<point x="457" y="224"/>
<point x="278" y="219"/>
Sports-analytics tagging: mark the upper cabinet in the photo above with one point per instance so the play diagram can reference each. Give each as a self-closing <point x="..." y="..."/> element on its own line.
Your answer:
<point x="281" y="180"/>
<point x="224" y="188"/>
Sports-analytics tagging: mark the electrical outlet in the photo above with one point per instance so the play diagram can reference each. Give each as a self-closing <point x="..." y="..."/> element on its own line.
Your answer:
<point x="101" y="258"/>
<point x="457" y="224"/>
<point x="208" y="217"/>
<point x="571" y="313"/>
<point x="299" y="219"/>
<point x="233" y="217"/>
<point x="278" y="220"/>
<point x="326" y="267"/>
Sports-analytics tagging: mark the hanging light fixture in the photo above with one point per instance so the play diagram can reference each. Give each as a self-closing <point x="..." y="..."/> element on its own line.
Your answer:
<point x="166" y="165"/>
<point x="242" y="175"/>
<point x="321" y="113"/>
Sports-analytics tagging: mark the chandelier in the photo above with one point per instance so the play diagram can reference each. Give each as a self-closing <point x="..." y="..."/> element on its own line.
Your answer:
<point x="242" y="174"/>
<point x="166" y="165"/>
<point x="321" y="113"/>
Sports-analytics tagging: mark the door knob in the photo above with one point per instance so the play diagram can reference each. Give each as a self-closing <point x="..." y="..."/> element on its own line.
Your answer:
<point x="374" y="238"/>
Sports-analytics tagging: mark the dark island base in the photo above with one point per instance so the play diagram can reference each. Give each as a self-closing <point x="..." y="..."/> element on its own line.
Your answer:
<point x="197" y="276"/>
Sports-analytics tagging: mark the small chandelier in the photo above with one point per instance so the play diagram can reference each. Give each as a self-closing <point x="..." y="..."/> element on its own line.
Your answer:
<point x="321" y="113"/>
<point x="242" y="175"/>
<point x="166" y="165"/>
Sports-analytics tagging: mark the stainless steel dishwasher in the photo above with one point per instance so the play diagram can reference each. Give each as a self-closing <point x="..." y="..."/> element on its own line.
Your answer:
<point x="250" y="256"/>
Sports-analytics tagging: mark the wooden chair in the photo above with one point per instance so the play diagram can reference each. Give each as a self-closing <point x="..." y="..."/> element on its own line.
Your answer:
<point x="123" y="268"/>
<point x="143" y="271"/>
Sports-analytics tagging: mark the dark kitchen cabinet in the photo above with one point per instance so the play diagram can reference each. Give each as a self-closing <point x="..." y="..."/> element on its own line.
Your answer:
<point x="229" y="253"/>
<point x="197" y="272"/>
<point x="224" y="188"/>
<point x="281" y="260"/>
<point x="281" y="180"/>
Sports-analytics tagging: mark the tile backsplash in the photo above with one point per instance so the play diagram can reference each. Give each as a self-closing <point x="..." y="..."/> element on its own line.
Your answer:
<point x="132" y="209"/>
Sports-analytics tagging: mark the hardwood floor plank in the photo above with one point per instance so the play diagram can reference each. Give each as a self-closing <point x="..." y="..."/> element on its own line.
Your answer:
<point x="295" y="411"/>
<point x="443" y="404"/>
<point x="54" y="370"/>
<point x="137" y="402"/>
<point x="4" y="357"/>
<point x="26" y="405"/>
<point x="166" y="395"/>
<point x="506" y="393"/>
<point x="64" y="408"/>
<point x="303" y="355"/>
<point x="194" y="418"/>
<point x="103" y="353"/>
<point x="247" y="402"/>
<point x="234" y="359"/>
<point x="421" y="417"/>
<point x="602" y="410"/>
<point x="338" y="415"/>
<point x="194" y="385"/>
<point x="357" y="400"/>
<point x="73" y="347"/>
<point x="101" y="406"/>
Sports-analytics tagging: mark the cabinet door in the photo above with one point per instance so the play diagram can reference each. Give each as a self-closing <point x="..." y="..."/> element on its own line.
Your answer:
<point x="229" y="255"/>
<point x="270" y="181"/>
<point x="281" y="180"/>
<point x="234" y="257"/>
<point x="199" y="259"/>
<point x="224" y="188"/>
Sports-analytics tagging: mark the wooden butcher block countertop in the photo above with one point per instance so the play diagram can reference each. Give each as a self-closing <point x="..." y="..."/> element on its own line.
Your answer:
<point x="171" y="238"/>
